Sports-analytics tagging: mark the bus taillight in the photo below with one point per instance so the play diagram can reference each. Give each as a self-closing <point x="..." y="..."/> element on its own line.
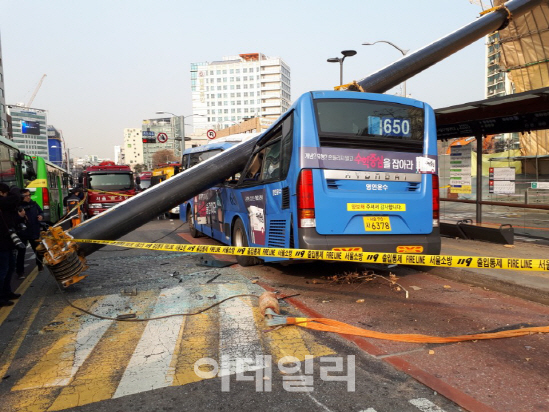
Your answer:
<point x="306" y="199"/>
<point x="45" y="198"/>
<point x="436" y="201"/>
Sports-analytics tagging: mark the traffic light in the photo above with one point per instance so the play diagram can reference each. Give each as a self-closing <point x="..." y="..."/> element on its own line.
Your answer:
<point x="149" y="140"/>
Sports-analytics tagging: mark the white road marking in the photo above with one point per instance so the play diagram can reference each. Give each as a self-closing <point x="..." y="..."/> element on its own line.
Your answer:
<point x="91" y="332"/>
<point x="149" y="366"/>
<point x="238" y="336"/>
<point x="425" y="405"/>
<point x="321" y="404"/>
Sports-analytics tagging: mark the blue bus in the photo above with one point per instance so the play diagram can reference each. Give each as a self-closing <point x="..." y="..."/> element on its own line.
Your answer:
<point x="338" y="171"/>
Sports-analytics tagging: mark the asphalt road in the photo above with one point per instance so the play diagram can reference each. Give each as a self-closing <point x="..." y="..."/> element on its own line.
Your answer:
<point x="56" y="357"/>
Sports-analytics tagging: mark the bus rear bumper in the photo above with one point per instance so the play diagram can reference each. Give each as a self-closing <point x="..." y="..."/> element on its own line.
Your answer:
<point x="310" y="239"/>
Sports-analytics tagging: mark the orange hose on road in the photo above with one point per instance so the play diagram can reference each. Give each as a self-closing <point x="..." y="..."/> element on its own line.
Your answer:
<point x="330" y="325"/>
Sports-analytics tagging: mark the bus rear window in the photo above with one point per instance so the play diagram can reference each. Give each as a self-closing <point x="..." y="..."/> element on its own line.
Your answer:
<point x="368" y="124"/>
<point x="197" y="158"/>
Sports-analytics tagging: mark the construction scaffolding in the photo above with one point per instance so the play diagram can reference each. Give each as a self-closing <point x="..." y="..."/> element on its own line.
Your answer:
<point x="525" y="58"/>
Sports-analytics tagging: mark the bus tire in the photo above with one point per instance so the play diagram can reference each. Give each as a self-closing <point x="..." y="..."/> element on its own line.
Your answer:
<point x="240" y="239"/>
<point x="192" y="230"/>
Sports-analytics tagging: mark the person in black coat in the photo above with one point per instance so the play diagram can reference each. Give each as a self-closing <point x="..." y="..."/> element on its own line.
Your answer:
<point x="9" y="201"/>
<point x="33" y="216"/>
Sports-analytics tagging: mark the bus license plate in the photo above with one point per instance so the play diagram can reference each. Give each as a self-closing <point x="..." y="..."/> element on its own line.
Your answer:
<point x="377" y="224"/>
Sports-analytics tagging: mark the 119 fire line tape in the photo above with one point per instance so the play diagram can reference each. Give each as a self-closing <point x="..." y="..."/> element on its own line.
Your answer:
<point x="538" y="265"/>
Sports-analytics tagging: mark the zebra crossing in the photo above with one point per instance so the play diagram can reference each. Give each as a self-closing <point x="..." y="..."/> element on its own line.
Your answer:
<point x="422" y="404"/>
<point x="81" y="359"/>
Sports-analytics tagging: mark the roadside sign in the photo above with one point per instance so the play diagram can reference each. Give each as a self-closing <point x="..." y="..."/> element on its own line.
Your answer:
<point x="460" y="169"/>
<point x="162" y="137"/>
<point x="502" y="173"/>
<point x="148" y="133"/>
<point x="211" y="134"/>
<point x="502" y="180"/>
<point x="540" y="185"/>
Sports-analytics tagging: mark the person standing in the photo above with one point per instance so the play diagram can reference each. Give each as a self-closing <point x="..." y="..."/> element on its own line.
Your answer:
<point x="9" y="200"/>
<point x="32" y="218"/>
<point x="72" y="203"/>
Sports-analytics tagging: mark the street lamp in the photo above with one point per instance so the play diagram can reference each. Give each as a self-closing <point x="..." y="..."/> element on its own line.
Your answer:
<point x="404" y="52"/>
<point x="345" y="53"/>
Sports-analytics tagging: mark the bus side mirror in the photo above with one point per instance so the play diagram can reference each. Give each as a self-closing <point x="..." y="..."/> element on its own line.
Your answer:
<point x="137" y="180"/>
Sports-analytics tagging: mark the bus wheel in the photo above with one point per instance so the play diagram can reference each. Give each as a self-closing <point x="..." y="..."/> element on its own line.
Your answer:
<point x="241" y="240"/>
<point x="192" y="230"/>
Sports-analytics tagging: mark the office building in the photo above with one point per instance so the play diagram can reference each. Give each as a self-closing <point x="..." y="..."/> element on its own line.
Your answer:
<point x="29" y="130"/>
<point x="92" y="160"/>
<point x="160" y="134"/>
<point x="55" y="146"/>
<point x="238" y="88"/>
<point x="3" y="113"/>
<point x="119" y="155"/>
<point x="497" y="81"/>
<point x="497" y="85"/>
<point x="133" y="147"/>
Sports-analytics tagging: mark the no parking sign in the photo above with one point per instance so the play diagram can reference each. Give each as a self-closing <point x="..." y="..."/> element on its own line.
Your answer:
<point x="162" y="137"/>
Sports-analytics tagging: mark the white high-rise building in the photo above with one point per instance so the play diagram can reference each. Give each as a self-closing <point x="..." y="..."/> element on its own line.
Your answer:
<point x="119" y="155"/>
<point x="497" y="81"/>
<point x="237" y="88"/>
<point x="133" y="147"/>
<point x="498" y="84"/>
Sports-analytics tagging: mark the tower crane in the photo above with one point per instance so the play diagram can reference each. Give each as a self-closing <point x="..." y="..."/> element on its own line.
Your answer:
<point x="36" y="91"/>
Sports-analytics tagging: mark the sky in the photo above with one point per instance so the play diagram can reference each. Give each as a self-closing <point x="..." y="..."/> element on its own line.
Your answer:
<point x="112" y="63"/>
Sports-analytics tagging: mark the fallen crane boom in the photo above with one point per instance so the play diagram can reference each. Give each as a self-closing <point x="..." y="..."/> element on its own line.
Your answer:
<point x="414" y="63"/>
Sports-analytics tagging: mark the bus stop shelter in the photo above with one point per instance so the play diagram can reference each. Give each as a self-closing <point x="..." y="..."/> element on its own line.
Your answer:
<point x="517" y="113"/>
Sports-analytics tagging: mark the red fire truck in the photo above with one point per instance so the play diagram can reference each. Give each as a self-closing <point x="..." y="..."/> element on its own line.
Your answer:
<point x="144" y="181"/>
<point x="107" y="185"/>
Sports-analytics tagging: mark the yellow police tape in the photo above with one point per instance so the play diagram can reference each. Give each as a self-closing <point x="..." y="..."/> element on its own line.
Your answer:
<point x="539" y="265"/>
<point x="109" y="193"/>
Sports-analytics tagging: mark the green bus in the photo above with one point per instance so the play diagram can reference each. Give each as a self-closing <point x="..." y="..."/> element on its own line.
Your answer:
<point x="16" y="169"/>
<point x="49" y="188"/>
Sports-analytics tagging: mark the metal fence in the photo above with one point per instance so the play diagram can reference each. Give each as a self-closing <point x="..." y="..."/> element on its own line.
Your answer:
<point x="526" y="208"/>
